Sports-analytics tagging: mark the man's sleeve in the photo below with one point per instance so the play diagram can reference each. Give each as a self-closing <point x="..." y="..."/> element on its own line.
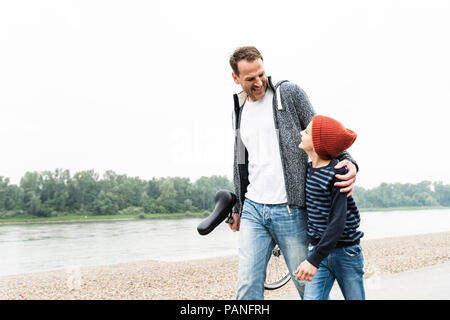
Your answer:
<point x="306" y="112"/>
<point x="346" y="155"/>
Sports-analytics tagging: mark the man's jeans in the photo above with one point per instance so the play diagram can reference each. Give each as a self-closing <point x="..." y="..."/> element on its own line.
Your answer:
<point x="346" y="266"/>
<point x="263" y="225"/>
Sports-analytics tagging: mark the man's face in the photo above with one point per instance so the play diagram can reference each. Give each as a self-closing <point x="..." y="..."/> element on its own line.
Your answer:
<point x="252" y="78"/>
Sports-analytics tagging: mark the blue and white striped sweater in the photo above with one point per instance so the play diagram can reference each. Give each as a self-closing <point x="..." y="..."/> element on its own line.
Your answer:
<point x="333" y="219"/>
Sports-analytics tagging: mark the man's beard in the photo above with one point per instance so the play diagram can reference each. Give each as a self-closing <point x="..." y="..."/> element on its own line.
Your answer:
<point x="249" y="91"/>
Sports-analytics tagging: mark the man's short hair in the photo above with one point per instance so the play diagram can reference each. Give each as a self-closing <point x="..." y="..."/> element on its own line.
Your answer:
<point x="248" y="53"/>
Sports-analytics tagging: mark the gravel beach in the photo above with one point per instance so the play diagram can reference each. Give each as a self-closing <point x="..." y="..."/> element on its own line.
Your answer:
<point x="213" y="278"/>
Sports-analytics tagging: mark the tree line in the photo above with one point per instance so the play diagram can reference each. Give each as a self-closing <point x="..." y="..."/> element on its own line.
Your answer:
<point x="388" y="195"/>
<point x="52" y="193"/>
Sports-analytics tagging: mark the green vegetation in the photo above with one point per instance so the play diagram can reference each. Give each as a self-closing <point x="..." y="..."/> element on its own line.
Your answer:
<point x="406" y="195"/>
<point x="79" y="218"/>
<point x="58" y="196"/>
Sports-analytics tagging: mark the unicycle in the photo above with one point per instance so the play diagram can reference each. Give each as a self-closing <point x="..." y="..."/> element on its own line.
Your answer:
<point x="277" y="274"/>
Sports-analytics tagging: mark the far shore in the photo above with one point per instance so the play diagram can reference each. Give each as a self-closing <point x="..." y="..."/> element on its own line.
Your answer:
<point x="87" y="218"/>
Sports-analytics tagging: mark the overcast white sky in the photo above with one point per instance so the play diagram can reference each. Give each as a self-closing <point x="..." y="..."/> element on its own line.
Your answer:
<point x="144" y="87"/>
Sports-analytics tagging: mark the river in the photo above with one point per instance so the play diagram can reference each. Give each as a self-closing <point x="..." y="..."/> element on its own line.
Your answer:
<point x="35" y="247"/>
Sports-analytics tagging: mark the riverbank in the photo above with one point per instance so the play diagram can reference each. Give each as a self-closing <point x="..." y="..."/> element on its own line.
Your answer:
<point x="213" y="278"/>
<point x="88" y="218"/>
<point x="118" y="217"/>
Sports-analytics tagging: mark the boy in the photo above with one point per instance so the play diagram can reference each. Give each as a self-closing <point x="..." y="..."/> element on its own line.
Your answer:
<point x="333" y="218"/>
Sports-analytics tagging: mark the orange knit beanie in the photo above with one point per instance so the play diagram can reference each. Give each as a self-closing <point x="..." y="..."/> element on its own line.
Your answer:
<point x="330" y="137"/>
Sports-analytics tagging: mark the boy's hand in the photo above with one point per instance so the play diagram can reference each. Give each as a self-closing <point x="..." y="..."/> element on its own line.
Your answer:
<point x="348" y="180"/>
<point x="305" y="271"/>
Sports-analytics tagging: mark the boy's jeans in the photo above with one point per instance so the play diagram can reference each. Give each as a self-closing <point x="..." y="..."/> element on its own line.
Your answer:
<point x="261" y="226"/>
<point x="346" y="266"/>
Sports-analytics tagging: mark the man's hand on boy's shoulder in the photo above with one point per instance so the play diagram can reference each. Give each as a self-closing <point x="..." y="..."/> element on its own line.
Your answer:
<point x="347" y="182"/>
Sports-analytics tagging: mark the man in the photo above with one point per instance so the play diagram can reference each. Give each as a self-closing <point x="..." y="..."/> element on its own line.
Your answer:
<point x="269" y="172"/>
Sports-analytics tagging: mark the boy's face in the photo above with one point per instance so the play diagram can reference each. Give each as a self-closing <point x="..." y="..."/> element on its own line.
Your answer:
<point x="307" y="143"/>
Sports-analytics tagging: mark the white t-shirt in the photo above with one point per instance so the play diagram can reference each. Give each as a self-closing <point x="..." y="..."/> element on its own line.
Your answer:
<point x="265" y="171"/>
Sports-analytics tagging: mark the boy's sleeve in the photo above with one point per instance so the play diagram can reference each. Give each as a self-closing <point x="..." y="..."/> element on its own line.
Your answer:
<point x="335" y="228"/>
